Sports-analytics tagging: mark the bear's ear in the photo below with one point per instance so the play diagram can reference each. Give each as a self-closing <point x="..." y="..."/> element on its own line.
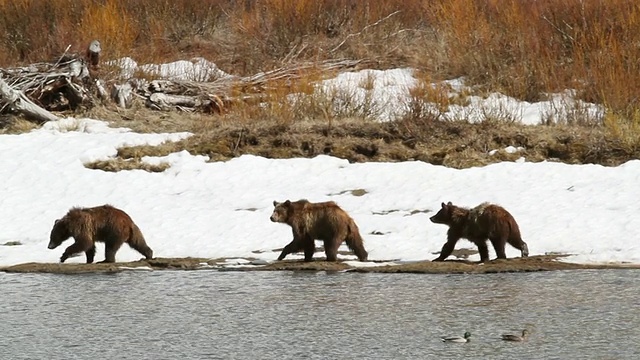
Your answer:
<point x="275" y="203"/>
<point x="443" y="205"/>
<point x="287" y="203"/>
<point x="57" y="221"/>
<point x="449" y="203"/>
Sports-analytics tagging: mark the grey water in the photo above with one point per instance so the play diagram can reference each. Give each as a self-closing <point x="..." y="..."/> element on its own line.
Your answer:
<point x="318" y="315"/>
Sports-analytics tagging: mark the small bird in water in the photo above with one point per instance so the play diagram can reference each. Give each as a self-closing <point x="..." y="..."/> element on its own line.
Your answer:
<point x="511" y="337"/>
<point x="458" y="339"/>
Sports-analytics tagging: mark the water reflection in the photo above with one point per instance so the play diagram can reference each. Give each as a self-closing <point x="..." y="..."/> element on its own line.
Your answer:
<point x="286" y="315"/>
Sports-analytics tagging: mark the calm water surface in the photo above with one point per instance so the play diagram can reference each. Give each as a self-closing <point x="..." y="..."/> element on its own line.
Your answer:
<point x="293" y="315"/>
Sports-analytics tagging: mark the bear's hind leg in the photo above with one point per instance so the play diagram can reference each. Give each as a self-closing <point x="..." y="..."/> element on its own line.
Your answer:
<point x="520" y="245"/>
<point x="355" y="243"/>
<point x="136" y="241"/>
<point x="143" y="249"/>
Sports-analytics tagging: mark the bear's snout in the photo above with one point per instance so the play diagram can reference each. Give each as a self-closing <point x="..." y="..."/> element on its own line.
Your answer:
<point x="52" y="245"/>
<point x="273" y="218"/>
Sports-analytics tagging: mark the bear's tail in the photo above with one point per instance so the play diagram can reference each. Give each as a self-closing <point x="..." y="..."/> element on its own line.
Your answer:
<point x="355" y="243"/>
<point x="137" y="242"/>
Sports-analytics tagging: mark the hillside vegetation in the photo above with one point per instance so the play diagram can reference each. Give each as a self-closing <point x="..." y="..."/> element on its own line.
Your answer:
<point x="523" y="49"/>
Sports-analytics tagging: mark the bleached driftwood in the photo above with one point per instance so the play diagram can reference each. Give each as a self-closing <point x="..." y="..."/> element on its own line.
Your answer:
<point x="214" y="96"/>
<point x="43" y="87"/>
<point x="162" y="101"/>
<point x="64" y="84"/>
<point x="73" y="81"/>
<point x="102" y="91"/>
<point x="18" y="102"/>
<point x="122" y="94"/>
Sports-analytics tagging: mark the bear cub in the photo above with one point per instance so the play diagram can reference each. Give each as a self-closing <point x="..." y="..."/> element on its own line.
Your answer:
<point x="105" y="224"/>
<point x="324" y="221"/>
<point x="485" y="221"/>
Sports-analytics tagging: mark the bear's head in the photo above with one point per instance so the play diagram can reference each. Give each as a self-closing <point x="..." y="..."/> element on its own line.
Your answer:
<point x="281" y="211"/>
<point x="59" y="233"/>
<point x="444" y="215"/>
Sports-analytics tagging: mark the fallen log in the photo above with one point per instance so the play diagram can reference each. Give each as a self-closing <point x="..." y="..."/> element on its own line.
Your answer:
<point x="17" y="102"/>
<point x="165" y="102"/>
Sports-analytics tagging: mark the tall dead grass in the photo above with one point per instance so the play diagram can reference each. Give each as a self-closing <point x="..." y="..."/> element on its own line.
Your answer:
<point x="521" y="48"/>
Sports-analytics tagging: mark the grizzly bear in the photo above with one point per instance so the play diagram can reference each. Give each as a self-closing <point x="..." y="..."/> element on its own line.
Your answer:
<point x="324" y="221"/>
<point x="485" y="221"/>
<point x="105" y="224"/>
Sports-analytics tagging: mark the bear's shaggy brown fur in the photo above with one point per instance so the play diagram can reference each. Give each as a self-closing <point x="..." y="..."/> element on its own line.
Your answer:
<point x="324" y="221"/>
<point x="485" y="221"/>
<point x="105" y="224"/>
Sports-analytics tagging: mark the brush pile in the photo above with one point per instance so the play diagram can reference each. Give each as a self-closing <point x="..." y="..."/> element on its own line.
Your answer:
<point x="75" y="81"/>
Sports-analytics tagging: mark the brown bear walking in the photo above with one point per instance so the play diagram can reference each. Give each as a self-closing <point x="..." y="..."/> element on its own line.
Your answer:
<point x="105" y="224"/>
<point x="322" y="221"/>
<point x="485" y="221"/>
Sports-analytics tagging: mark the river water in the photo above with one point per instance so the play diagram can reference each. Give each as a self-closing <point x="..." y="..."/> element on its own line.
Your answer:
<point x="318" y="315"/>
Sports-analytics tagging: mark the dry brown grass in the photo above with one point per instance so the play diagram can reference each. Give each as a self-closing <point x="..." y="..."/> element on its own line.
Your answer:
<point x="15" y="125"/>
<point x="456" y="144"/>
<point x="118" y="164"/>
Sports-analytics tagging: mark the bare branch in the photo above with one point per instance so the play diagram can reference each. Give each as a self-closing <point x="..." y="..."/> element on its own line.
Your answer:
<point x="363" y="29"/>
<point x="558" y="29"/>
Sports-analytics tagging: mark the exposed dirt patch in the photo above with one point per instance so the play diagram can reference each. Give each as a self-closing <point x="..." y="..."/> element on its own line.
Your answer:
<point x="118" y="164"/>
<point x="354" y="192"/>
<point x="534" y="263"/>
<point x="298" y="265"/>
<point x="155" y="264"/>
<point x="12" y="243"/>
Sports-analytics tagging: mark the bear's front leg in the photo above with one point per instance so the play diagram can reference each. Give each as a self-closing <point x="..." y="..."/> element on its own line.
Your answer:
<point x="482" y="249"/>
<point x="331" y="249"/>
<point x="309" y="249"/>
<point x="73" y="249"/>
<point x="110" y="250"/>
<point x="91" y="254"/>
<point x="292" y="247"/>
<point x="447" y="248"/>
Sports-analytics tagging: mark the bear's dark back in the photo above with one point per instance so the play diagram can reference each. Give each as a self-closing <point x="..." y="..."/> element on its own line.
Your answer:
<point x="111" y="225"/>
